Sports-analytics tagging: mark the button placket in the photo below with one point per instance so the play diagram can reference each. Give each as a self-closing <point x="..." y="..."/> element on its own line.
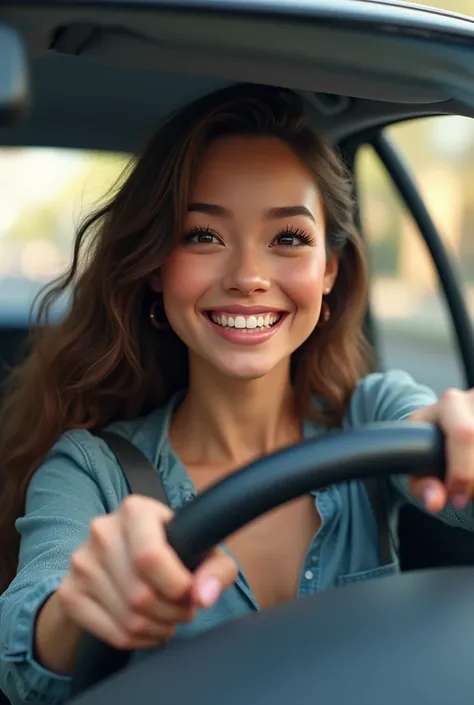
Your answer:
<point x="326" y="504"/>
<point x="310" y="574"/>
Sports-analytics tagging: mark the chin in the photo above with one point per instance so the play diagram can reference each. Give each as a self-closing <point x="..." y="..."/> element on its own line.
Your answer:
<point x="245" y="370"/>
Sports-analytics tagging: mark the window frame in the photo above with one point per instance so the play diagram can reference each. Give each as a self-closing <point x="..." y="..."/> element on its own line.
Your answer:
<point x="400" y="176"/>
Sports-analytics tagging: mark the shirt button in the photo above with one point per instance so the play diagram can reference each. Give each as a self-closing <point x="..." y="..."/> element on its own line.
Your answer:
<point x="308" y="575"/>
<point x="314" y="559"/>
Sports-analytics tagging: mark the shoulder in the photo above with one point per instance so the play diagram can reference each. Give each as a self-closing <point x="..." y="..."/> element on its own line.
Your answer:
<point x="386" y="396"/>
<point x="85" y="457"/>
<point x="79" y="468"/>
<point x="81" y="462"/>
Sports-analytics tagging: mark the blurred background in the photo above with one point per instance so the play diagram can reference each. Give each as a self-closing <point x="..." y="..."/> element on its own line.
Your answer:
<point x="44" y="193"/>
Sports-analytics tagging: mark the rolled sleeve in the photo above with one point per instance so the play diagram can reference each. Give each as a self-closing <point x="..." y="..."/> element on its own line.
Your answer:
<point x="75" y="483"/>
<point x="387" y="396"/>
<point x="23" y="678"/>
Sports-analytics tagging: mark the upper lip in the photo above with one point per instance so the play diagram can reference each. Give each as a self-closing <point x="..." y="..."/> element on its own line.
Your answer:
<point x="245" y="310"/>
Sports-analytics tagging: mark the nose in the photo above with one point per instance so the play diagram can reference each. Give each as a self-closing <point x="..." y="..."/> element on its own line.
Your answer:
<point x="246" y="272"/>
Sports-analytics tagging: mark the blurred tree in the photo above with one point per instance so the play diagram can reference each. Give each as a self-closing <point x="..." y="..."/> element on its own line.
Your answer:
<point x="56" y="218"/>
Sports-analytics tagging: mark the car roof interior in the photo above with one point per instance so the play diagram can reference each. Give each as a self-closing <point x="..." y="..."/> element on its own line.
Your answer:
<point x="103" y="76"/>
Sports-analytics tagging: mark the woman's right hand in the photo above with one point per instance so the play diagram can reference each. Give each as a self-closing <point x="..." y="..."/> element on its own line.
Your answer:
<point x="126" y="584"/>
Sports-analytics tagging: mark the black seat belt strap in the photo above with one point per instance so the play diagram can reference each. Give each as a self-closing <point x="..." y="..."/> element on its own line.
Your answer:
<point x="142" y="478"/>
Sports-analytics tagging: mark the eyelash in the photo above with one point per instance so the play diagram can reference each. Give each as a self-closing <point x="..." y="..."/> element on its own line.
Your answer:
<point x="304" y="237"/>
<point x="289" y="231"/>
<point x="198" y="230"/>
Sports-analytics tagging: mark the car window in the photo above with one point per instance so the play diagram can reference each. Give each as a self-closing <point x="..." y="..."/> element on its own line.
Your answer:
<point x="43" y="195"/>
<point x="413" y="325"/>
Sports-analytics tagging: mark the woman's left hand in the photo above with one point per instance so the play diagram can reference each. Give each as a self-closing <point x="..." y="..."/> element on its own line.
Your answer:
<point x="454" y="414"/>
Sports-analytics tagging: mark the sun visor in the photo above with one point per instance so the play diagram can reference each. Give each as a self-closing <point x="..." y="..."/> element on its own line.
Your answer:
<point x="318" y="59"/>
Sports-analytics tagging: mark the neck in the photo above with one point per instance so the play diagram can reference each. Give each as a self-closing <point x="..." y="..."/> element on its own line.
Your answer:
<point x="224" y="421"/>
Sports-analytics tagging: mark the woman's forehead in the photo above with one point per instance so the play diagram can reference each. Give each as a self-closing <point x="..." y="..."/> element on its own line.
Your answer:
<point x="259" y="171"/>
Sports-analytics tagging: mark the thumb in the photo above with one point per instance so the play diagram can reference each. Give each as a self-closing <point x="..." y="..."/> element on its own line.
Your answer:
<point x="218" y="572"/>
<point x="430" y="491"/>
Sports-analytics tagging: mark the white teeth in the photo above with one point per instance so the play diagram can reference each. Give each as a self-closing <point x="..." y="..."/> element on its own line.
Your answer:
<point x="251" y="322"/>
<point x="246" y="322"/>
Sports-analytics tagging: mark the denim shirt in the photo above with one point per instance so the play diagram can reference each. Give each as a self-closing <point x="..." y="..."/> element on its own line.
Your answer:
<point x="80" y="479"/>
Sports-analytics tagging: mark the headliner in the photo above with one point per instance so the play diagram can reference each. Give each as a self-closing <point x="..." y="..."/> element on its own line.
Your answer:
<point x="104" y="73"/>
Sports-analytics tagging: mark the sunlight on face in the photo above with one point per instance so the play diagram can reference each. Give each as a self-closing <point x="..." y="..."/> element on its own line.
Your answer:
<point x="243" y="288"/>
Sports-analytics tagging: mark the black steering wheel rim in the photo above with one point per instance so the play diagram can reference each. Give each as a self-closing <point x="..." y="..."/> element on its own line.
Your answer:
<point x="376" y="450"/>
<point x="380" y="449"/>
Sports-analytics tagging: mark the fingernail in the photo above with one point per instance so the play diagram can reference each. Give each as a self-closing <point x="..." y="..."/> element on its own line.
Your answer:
<point x="210" y="591"/>
<point x="429" y="496"/>
<point x="460" y="500"/>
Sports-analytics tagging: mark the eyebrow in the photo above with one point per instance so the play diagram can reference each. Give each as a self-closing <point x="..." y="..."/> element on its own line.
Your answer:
<point x="272" y="214"/>
<point x="289" y="211"/>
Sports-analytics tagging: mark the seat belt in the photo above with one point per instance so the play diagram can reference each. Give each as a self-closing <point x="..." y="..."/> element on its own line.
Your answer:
<point x="142" y="478"/>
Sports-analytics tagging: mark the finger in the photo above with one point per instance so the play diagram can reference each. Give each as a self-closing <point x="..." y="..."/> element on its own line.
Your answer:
<point x="109" y="550"/>
<point x="457" y="420"/>
<point x="133" y="598"/>
<point x="90" y="578"/>
<point x="430" y="491"/>
<point x="91" y="617"/>
<point x="152" y="557"/>
<point x="218" y="572"/>
<point x="144" y="601"/>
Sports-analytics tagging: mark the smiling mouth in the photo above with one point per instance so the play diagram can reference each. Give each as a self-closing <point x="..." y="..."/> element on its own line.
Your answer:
<point x="237" y="322"/>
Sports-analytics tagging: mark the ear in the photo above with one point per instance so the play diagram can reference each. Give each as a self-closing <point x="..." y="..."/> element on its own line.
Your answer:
<point x="156" y="283"/>
<point x="332" y="269"/>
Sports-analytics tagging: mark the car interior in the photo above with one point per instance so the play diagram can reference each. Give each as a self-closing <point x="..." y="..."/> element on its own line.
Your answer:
<point x="101" y="75"/>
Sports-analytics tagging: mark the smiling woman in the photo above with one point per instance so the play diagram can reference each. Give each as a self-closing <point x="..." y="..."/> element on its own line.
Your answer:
<point x="247" y="271"/>
<point x="216" y="316"/>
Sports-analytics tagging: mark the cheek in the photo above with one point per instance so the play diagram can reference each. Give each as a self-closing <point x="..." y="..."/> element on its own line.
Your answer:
<point x="184" y="278"/>
<point x="303" y="281"/>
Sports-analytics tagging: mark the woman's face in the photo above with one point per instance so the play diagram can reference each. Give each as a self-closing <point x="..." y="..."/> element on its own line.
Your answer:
<point x="244" y="286"/>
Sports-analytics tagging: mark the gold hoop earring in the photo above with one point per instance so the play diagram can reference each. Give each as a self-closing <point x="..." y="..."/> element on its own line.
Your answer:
<point x="160" y="323"/>
<point x="325" y="314"/>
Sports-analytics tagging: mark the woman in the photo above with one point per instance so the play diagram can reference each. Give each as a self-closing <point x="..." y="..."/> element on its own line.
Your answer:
<point x="216" y="316"/>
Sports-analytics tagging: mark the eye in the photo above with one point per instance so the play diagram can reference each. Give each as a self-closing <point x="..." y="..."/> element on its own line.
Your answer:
<point x="202" y="236"/>
<point x="293" y="237"/>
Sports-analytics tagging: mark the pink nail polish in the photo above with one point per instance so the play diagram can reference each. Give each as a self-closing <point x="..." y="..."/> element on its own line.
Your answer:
<point x="210" y="591"/>
<point x="429" y="496"/>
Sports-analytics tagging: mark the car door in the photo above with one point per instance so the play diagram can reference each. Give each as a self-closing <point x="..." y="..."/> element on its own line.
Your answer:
<point x="415" y="195"/>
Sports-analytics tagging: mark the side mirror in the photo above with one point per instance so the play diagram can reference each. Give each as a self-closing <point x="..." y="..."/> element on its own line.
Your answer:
<point x="14" y="76"/>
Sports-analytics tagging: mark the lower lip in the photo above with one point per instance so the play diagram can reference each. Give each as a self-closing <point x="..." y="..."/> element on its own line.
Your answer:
<point x="245" y="336"/>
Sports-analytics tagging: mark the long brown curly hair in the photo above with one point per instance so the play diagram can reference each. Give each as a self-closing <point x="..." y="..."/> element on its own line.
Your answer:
<point x="104" y="361"/>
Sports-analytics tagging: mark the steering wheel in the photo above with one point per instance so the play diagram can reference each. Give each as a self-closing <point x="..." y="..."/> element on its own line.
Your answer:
<point x="406" y="639"/>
